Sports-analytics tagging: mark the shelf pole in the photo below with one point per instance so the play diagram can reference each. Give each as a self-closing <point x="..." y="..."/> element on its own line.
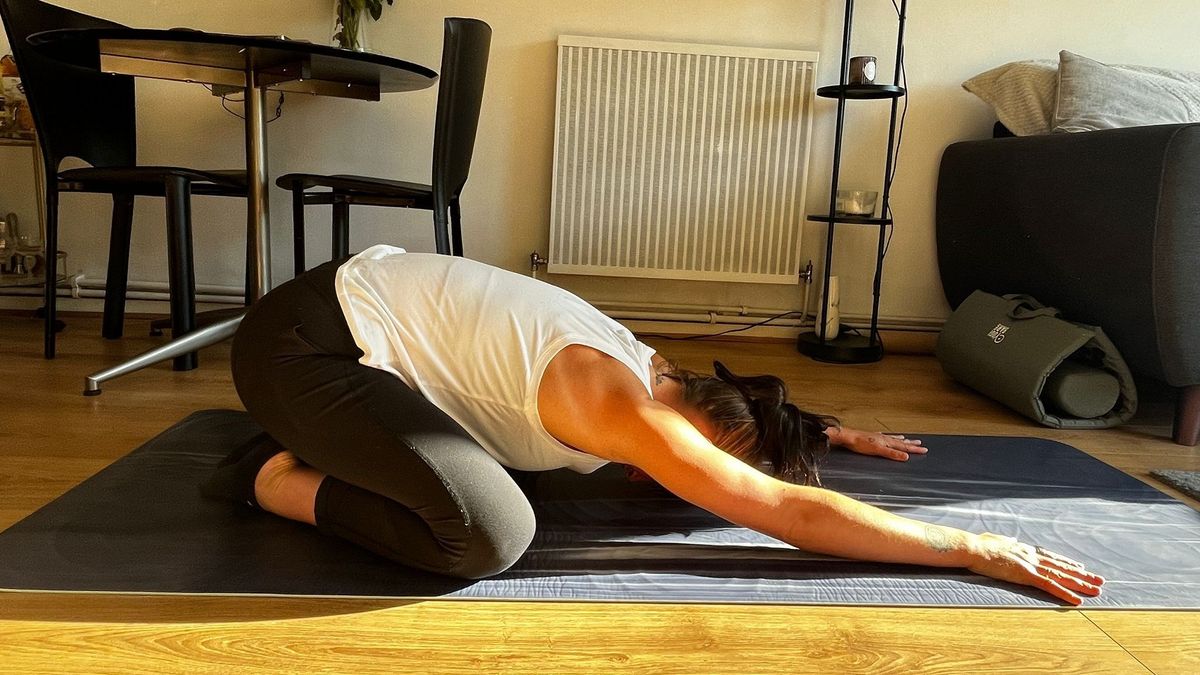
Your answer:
<point x="887" y="174"/>
<point x="837" y="167"/>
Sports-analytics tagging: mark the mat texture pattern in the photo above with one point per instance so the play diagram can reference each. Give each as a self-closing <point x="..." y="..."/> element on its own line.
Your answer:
<point x="140" y="526"/>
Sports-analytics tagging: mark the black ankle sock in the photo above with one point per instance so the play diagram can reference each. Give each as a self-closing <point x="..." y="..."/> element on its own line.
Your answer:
<point x="233" y="478"/>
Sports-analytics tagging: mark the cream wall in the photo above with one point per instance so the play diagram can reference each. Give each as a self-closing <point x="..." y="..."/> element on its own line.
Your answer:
<point x="506" y="203"/>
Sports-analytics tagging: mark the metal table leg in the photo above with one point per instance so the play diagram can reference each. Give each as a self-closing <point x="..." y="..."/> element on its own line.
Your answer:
<point x="258" y="231"/>
<point x="209" y="335"/>
<point x="259" y="247"/>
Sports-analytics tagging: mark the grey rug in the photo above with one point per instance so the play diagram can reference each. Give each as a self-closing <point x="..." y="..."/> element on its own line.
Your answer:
<point x="1187" y="482"/>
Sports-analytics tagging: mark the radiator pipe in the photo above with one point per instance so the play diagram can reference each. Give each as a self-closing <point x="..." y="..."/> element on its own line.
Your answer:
<point x="155" y="295"/>
<point x="82" y="287"/>
<point x="739" y="314"/>
<point x="85" y="287"/>
<point x="693" y="309"/>
<point x="862" y="321"/>
<point x="709" y="318"/>
<point x="234" y="292"/>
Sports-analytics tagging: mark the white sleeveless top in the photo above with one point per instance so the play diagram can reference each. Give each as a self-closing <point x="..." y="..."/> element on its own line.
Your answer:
<point x="475" y="340"/>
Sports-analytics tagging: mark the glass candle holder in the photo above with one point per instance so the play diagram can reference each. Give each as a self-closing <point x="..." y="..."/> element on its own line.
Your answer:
<point x="856" y="202"/>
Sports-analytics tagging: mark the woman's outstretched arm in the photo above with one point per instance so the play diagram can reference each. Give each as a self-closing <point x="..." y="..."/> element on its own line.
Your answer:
<point x="611" y="417"/>
<point x="666" y="446"/>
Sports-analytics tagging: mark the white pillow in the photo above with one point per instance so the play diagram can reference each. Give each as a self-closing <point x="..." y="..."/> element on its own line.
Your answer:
<point x="1093" y="95"/>
<point x="1022" y="93"/>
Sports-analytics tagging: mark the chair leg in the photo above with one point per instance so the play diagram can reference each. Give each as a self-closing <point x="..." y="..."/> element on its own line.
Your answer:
<point x="1187" y="416"/>
<point x="298" y="228"/>
<point x="441" y="229"/>
<point x="456" y="227"/>
<point x="341" y="230"/>
<point x="51" y="265"/>
<point x="182" y="274"/>
<point x="118" y="266"/>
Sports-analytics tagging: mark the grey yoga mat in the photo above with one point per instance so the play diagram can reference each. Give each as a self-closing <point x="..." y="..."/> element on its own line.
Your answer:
<point x="140" y="526"/>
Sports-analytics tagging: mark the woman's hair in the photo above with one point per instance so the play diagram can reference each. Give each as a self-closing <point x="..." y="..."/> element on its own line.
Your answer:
<point x="756" y="423"/>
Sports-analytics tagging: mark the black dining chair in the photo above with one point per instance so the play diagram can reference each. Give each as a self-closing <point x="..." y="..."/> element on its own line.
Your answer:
<point x="460" y="92"/>
<point x="80" y="112"/>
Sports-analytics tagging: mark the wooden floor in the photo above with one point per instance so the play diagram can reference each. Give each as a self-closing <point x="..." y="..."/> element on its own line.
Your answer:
<point x="51" y="438"/>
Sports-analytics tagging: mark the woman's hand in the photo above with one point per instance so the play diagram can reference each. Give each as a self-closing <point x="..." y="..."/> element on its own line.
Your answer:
<point x="891" y="446"/>
<point x="1007" y="559"/>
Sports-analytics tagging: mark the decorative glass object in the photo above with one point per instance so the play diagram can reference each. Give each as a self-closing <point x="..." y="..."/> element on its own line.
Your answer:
<point x="28" y="237"/>
<point x="856" y="202"/>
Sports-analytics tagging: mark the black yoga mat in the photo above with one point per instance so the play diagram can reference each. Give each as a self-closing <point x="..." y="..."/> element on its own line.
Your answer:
<point x="140" y="526"/>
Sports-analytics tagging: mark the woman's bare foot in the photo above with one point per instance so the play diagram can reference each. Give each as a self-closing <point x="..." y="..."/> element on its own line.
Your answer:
<point x="287" y="487"/>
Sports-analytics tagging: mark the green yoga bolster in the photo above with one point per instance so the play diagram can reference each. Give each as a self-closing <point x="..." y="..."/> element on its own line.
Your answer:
<point x="1010" y="349"/>
<point x="1080" y="391"/>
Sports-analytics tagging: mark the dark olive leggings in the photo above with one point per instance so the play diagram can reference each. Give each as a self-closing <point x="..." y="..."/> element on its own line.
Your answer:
<point x="404" y="479"/>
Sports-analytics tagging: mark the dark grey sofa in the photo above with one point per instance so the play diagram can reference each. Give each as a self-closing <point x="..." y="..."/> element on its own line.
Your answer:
<point x="1104" y="225"/>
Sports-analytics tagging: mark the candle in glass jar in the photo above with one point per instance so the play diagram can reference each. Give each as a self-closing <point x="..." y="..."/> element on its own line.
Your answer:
<point x="856" y="202"/>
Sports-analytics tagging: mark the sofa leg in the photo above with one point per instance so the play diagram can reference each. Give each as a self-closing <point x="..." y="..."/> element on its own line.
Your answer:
<point x="1187" y="415"/>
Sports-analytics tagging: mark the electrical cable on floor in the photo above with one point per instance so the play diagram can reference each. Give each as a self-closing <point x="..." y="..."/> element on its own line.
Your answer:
<point x="713" y="335"/>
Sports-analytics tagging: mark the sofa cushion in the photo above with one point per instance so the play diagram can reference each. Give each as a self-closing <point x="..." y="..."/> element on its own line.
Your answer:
<point x="1022" y="93"/>
<point x="1094" y="95"/>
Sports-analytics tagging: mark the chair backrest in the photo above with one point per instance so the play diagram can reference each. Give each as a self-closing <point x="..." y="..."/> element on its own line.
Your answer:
<point x="460" y="93"/>
<point x="78" y="111"/>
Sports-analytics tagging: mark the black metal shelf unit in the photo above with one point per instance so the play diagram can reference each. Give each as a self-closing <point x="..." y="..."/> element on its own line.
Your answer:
<point x="856" y="348"/>
<point x="861" y="92"/>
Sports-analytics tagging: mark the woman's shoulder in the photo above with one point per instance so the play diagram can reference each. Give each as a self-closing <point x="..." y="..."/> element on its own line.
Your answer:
<point x="581" y="383"/>
<point x="582" y="371"/>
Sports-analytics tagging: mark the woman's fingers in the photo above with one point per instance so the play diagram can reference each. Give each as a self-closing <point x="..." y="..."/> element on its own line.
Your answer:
<point x="898" y="442"/>
<point x="1078" y="572"/>
<point x="1068" y="580"/>
<point x="1054" y="588"/>
<point x="889" y="446"/>
<point x="1063" y="581"/>
<point x="1011" y="560"/>
<point x="885" y="446"/>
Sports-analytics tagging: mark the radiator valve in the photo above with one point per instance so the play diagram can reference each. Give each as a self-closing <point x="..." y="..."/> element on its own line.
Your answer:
<point x="535" y="261"/>
<point x="807" y="273"/>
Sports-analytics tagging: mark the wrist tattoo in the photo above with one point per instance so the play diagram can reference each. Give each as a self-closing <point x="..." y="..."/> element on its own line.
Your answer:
<point x="939" y="539"/>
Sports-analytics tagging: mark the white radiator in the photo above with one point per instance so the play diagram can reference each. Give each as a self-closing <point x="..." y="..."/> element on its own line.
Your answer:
<point x="680" y="161"/>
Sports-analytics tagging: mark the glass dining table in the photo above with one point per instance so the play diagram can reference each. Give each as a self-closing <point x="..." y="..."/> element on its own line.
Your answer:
<point x="253" y="65"/>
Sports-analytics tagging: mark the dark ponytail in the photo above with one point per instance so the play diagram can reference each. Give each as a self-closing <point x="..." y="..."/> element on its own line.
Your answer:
<point x="757" y="424"/>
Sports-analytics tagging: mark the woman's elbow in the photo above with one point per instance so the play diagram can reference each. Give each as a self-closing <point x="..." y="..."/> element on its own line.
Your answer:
<point x="802" y="508"/>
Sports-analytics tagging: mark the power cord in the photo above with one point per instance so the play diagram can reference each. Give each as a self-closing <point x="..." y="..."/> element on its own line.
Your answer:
<point x="714" y="335"/>
<point x="226" y="99"/>
<point x="899" y="141"/>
